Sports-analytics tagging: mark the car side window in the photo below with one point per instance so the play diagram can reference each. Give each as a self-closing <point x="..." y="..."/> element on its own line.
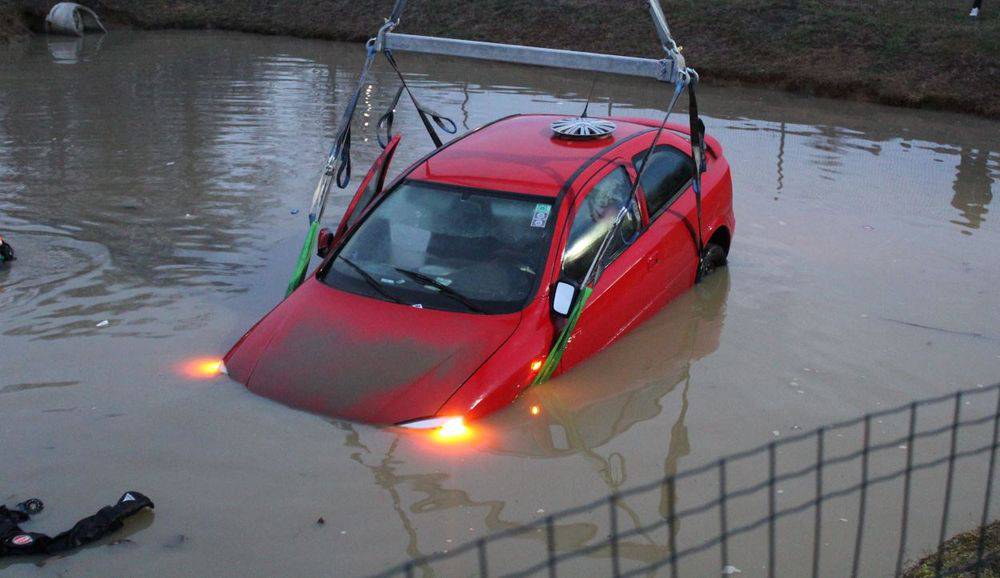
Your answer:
<point x="593" y="220"/>
<point x="668" y="173"/>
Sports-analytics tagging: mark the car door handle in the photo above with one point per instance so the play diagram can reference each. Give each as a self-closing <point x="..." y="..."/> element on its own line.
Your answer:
<point x="652" y="261"/>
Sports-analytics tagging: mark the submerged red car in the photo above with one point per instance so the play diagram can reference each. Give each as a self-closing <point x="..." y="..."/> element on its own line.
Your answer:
<point x="437" y="298"/>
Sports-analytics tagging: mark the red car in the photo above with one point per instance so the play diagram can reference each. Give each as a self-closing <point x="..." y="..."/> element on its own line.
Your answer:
<point x="436" y="298"/>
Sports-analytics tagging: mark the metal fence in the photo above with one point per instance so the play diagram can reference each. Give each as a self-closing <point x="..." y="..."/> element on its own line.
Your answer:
<point x="907" y="477"/>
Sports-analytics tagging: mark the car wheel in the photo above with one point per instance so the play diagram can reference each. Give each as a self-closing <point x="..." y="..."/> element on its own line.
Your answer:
<point x="715" y="257"/>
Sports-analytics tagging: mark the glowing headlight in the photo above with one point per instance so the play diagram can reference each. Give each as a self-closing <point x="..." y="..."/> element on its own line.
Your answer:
<point x="442" y="429"/>
<point x="431" y="423"/>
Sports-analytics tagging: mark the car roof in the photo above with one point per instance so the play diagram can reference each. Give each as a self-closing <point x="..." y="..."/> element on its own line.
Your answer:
<point x="519" y="154"/>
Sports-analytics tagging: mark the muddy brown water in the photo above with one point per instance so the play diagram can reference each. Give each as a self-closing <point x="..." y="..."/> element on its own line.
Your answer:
<point x="150" y="180"/>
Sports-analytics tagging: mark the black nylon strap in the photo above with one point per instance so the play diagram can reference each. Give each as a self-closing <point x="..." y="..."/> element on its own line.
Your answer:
<point x="697" y="132"/>
<point x="697" y="157"/>
<point x="385" y="122"/>
<point x="426" y="114"/>
<point x="342" y="146"/>
<point x="344" y="171"/>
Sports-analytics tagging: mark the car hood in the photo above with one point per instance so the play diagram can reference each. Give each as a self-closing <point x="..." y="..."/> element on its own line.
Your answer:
<point x="360" y="358"/>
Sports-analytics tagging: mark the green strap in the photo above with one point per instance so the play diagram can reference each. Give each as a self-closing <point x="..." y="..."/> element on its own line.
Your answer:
<point x="555" y="355"/>
<point x="302" y="265"/>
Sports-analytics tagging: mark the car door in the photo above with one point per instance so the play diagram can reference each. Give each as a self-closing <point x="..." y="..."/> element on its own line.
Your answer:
<point x="371" y="187"/>
<point x="668" y="197"/>
<point x="616" y="301"/>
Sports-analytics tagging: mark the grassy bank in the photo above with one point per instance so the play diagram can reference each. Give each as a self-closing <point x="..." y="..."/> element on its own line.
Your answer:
<point x="919" y="53"/>
<point x="959" y="556"/>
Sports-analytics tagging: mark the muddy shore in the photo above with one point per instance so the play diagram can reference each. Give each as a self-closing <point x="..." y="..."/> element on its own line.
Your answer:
<point x="922" y="53"/>
<point x="13" y="25"/>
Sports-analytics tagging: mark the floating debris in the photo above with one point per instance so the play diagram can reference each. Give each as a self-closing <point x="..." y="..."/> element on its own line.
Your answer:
<point x="72" y="19"/>
<point x="175" y="542"/>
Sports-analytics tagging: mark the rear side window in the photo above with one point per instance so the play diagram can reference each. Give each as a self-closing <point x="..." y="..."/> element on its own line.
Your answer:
<point x="669" y="171"/>
<point x="593" y="219"/>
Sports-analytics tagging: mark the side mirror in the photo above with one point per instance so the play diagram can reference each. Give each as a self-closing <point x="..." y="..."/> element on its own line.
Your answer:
<point x="564" y="296"/>
<point x="324" y="242"/>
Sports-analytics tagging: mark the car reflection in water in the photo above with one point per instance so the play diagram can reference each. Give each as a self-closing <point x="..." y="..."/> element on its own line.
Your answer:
<point x="623" y="386"/>
<point x="577" y="414"/>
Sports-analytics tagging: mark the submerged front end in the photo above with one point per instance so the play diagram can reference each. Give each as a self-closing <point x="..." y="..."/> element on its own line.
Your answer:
<point x="348" y="356"/>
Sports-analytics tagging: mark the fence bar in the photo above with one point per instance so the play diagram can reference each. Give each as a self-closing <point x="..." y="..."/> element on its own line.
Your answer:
<point x="616" y="570"/>
<point x="947" y="489"/>
<point x="904" y="524"/>
<point x="980" y="543"/>
<point x="771" y="530"/>
<point x="484" y="567"/>
<point x="723" y="517"/>
<point x="671" y="529"/>
<point x="870" y="477"/>
<point x="550" y="543"/>
<point x="818" y="520"/>
<point x="863" y="498"/>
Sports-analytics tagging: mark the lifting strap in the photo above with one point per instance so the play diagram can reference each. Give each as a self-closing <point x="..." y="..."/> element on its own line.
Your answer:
<point x="586" y="288"/>
<point x="698" y="159"/>
<point x="340" y="154"/>
<point x="426" y="115"/>
<point x="385" y="121"/>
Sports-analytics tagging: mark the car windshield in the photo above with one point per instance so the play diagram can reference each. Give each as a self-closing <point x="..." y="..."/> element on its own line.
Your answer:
<point x="451" y="248"/>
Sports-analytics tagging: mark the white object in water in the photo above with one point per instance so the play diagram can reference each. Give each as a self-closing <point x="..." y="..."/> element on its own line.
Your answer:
<point x="72" y="19"/>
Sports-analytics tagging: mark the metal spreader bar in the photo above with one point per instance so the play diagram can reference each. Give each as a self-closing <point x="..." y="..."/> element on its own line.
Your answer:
<point x="670" y="69"/>
<point x="665" y="70"/>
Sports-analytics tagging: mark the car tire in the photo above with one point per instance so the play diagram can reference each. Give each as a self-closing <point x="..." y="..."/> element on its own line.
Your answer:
<point x="715" y="257"/>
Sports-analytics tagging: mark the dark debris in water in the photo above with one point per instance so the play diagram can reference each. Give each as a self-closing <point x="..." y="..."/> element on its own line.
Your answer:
<point x="175" y="542"/>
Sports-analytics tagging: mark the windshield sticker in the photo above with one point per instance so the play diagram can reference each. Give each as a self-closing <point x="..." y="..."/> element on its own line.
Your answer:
<point x="541" y="215"/>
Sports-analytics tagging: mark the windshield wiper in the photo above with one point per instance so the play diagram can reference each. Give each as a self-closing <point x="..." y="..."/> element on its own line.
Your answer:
<point x="369" y="279"/>
<point x="446" y="290"/>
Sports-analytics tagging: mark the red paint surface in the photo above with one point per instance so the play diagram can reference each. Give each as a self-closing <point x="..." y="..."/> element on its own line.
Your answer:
<point x="361" y="358"/>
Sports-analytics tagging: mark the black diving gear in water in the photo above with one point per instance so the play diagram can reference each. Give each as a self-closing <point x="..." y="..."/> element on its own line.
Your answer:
<point x="16" y="542"/>
<point x="6" y="251"/>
